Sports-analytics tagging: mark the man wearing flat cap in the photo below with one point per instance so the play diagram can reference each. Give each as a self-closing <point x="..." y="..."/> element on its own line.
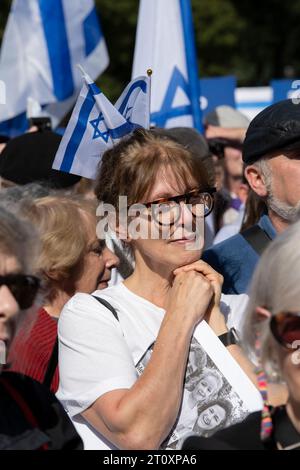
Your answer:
<point x="271" y="155"/>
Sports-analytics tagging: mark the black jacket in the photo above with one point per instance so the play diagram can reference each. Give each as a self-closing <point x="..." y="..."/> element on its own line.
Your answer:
<point x="31" y="418"/>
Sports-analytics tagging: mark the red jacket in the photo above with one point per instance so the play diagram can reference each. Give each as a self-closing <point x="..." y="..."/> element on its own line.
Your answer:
<point x="31" y="351"/>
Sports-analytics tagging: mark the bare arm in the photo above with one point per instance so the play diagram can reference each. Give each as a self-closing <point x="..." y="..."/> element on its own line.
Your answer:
<point x="142" y="417"/>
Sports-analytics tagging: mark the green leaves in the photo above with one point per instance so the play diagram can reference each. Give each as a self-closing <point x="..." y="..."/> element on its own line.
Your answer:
<point x="255" y="41"/>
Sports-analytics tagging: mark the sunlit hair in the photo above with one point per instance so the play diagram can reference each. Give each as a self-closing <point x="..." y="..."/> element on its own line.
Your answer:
<point x="62" y="224"/>
<point x="275" y="286"/>
<point x="131" y="167"/>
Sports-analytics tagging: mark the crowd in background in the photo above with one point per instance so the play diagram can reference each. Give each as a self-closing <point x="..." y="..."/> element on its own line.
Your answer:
<point x="108" y="326"/>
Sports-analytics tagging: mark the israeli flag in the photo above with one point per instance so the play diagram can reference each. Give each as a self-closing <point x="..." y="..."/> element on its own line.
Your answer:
<point x="96" y="125"/>
<point x="42" y="43"/>
<point x="165" y="43"/>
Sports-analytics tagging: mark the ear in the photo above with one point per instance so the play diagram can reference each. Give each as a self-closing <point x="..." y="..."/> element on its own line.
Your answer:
<point x="256" y="180"/>
<point x="262" y="313"/>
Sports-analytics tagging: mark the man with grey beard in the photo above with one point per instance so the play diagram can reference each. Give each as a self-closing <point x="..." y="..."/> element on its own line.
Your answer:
<point x="271" y="154"/>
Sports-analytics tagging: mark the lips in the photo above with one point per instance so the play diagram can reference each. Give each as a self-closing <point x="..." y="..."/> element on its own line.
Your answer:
<point x="184" y="240"/>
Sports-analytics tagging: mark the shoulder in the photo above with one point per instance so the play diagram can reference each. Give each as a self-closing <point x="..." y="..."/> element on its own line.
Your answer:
<point x="226" y="249"/>
<point x="83" y="316"/>
<point x="84" y="306"/>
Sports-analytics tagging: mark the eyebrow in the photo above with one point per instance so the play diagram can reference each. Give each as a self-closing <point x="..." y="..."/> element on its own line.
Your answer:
<point x="162" y="196"/>
<point x="168" y="194"/>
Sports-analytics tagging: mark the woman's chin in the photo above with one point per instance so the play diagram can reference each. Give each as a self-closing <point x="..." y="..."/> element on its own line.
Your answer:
<point x="185" y="257"/>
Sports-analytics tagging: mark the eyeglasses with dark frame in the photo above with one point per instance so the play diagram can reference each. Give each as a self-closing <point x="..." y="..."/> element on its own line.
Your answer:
<point x="23" y="287"/>
<point x="167" y="211"/>
<point x="285" y="327"/>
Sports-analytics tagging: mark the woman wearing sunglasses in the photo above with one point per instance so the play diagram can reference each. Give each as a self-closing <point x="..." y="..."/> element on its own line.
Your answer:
<point x="272" y="335"/>
<point x="30" y="416"/>
<point x="118" y="392"/>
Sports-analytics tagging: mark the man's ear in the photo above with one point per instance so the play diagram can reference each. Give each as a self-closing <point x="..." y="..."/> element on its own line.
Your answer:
<point x="256" y="180"/>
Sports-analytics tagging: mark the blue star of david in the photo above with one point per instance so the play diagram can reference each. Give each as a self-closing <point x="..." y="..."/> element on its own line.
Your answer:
<point x="97" y="132"/>
<point x="167" y="111"/>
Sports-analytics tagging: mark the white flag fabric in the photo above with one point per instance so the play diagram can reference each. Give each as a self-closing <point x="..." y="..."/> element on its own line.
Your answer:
<point x="165" y="43"/>
<point x="96" y="125"/>
<point x="42" y="43"/>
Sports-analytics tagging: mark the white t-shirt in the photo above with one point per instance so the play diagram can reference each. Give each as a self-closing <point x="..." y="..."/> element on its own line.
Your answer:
<point x="98" y="353"/>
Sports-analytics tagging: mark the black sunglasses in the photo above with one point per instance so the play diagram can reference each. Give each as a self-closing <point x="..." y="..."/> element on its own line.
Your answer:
<point x="285" y="328"/>
<point x="23" y="287"/>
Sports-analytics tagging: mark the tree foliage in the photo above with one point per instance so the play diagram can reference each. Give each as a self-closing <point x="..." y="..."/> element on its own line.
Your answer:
<point x="255" y="41"/>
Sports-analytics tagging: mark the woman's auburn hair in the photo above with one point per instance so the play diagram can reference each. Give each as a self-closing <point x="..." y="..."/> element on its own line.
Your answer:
<point x="62" y="226"/>
<point x="130" y="168"/>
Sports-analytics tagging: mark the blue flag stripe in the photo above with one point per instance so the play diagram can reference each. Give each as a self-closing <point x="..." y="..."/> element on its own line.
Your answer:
<point x="53" y="18"/>
<point x="78" y="132"/>
<point x="92" y="32"/>
<point x="191" y="62"/>
<point x="139" y="84"/>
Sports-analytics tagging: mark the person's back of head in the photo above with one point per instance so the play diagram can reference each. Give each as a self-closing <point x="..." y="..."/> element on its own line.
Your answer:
<point x="227" y="117"/>
<point x="192" y="140"/>
<point x="29" y="158"/>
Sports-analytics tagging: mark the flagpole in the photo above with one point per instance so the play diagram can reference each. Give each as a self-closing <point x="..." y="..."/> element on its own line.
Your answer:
<point x="149" y="74"/>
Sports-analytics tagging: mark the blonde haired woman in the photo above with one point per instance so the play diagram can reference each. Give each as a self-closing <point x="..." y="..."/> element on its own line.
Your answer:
<point x="71" y="260"/>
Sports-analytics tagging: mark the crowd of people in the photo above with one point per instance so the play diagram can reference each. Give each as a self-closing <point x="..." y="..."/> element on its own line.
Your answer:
<point x="172" y="323"/>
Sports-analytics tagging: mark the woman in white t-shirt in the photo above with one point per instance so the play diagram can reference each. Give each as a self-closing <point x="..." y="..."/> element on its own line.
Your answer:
<point x="122" y="379"/>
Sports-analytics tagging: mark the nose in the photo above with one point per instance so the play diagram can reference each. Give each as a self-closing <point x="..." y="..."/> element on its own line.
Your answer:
<point x="186" y="217"/>
<point x="111" y="260"/>
<point x="8" y="305"/>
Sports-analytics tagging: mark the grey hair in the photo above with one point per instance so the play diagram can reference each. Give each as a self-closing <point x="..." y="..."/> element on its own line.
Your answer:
<point x="275" y="286"/>
<point x="13" y="197"/>
<point x="18" y="239"/>
<point x="284" y="210"/>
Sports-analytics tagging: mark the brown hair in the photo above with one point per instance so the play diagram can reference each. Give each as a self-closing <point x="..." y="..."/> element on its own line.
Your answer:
<point x="131" y="167"/>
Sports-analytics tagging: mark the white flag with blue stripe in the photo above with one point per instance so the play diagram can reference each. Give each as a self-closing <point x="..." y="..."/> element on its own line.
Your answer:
<point x="165" y="43"/>
<point x="96" y="125"/>
<point x="43" y="42"/>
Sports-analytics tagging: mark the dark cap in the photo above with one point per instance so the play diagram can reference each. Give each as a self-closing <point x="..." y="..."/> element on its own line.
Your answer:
<point x="276" y="127"/>
<point x="29" y="158"/>
<point x="188" y="137"/>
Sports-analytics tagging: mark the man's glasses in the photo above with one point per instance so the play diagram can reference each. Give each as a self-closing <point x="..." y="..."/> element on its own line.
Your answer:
<point x="167" y="211"/>
<point x="23" y="287"/>
<point x="285" y="328"/>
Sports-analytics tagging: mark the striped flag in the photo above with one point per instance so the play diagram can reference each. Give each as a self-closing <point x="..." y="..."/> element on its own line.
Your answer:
<point x="96" y="125"/>
<point x="165" y="43"/>
<point x="42" y="43"/>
